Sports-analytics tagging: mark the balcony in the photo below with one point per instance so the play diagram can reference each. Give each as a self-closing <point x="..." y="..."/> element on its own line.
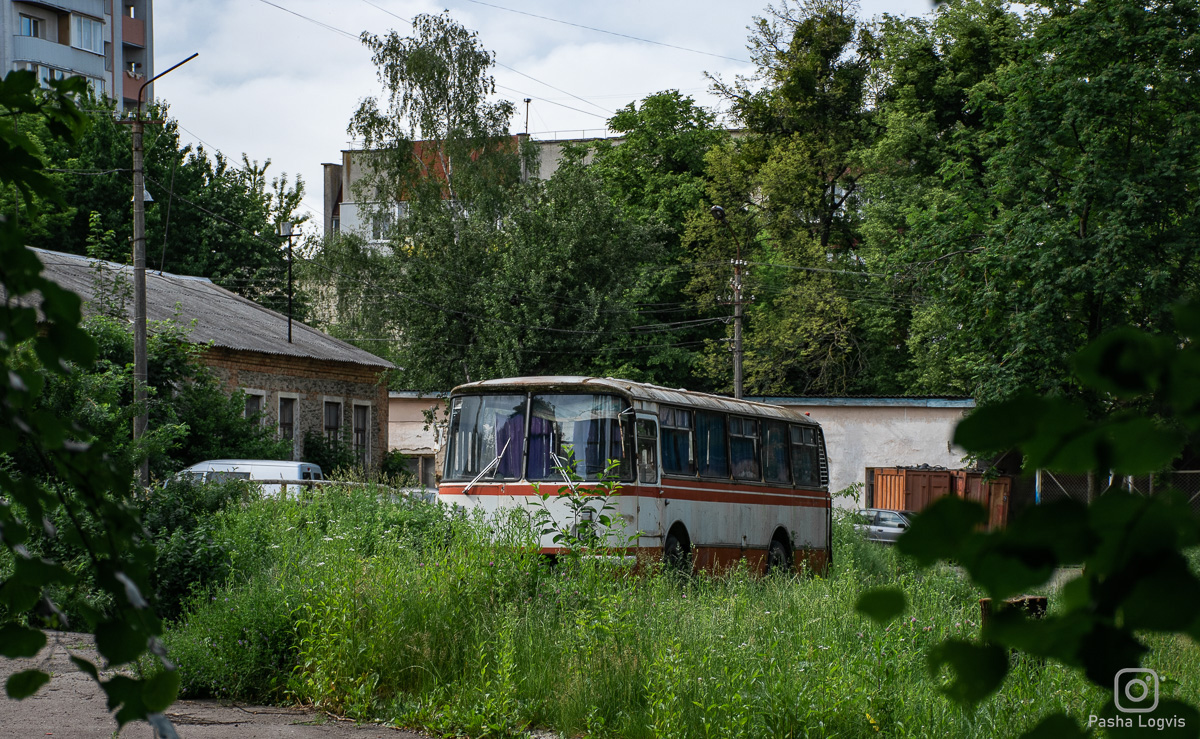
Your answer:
<point x="59" y="56"/>
<point x="130" y="86"/>
<point x="133" y="32"/>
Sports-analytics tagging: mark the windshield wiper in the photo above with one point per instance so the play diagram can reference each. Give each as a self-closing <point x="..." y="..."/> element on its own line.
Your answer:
<point x="494" y="463"/>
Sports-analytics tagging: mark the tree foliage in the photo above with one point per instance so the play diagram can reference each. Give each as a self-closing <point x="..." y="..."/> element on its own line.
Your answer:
<point x="1049" y="164"/>
<point x="210" y="217"/>
<point x="1135" y="577"/>
<point x="118" y="554"/>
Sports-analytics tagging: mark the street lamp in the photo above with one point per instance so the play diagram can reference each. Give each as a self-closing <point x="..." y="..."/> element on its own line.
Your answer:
<point x="140" y="196"/>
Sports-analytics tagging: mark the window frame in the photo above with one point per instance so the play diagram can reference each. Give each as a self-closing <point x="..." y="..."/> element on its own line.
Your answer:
<point x="78" y="23"/>
<point x="295" y="438"/>
<point x="363" y="453"/>
<point x="756" y="439"/>
<point x="664" y="428"/>
<point x="35" y="24"/>
<point x="724" y="427"/>
<point x="326" y="400"/>
<point x="250" y="392"/>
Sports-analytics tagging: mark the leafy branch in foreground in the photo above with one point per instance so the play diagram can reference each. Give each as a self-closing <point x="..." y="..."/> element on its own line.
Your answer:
<point x="1135" y="577"/>
<point x="591" y="522"/>
<point x="118" y="550"/>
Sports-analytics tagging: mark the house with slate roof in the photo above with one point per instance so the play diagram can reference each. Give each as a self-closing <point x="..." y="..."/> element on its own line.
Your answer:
<point x="312" y="383"/>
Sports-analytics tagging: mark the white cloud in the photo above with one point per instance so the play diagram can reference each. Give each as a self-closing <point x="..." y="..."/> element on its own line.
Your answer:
<point x="279" y="87"/>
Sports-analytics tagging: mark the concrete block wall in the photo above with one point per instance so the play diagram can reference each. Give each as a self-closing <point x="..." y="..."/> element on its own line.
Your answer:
<point x="311" y="382"/>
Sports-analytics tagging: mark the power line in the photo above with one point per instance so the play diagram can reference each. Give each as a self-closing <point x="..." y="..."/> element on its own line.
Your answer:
<point x="322" y="24"/>
<point x="610" y="33"/>
<point x="607" y="112"/>
<point x="636" y="330"/>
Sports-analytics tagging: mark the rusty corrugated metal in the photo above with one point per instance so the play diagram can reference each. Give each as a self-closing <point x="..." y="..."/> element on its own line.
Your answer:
<point x="910" y="488"/>
<point x="992" y="495"/>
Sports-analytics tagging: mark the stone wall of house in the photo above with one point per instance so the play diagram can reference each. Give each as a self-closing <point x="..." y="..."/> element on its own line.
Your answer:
<point x="312" y="382"/>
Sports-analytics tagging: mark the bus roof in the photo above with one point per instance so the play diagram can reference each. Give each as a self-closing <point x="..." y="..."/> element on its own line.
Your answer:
<point x="638" y="391"/>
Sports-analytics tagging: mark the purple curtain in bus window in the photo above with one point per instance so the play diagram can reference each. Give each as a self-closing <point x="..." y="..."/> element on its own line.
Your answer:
<point x="676" y="452"/>
<point x="510" y="434"/>
<point x="588" y="449"/>
<point x="540" y="464"/>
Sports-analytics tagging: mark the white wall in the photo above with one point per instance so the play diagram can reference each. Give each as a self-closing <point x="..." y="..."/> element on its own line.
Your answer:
<point x="883" y="432"/>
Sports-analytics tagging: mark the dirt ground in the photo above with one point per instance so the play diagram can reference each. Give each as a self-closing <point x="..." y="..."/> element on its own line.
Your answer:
<point x="72" y="705"/>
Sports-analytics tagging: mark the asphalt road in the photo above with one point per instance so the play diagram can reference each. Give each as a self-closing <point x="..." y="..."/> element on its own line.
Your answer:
<point x="72" y="705"/>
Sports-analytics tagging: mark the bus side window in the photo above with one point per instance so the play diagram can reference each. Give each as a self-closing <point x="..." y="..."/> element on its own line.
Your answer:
<point x="647" y="449"/>
<point x="775" y="452"/>
<point x="805" y="463"/>
<point x="678" y="458"/>
<point x="710" y="444"/>
<point x="743" y="448"/>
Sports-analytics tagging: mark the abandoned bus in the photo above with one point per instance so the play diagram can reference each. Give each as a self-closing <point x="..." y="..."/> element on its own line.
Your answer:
<point x="705" y="479"/>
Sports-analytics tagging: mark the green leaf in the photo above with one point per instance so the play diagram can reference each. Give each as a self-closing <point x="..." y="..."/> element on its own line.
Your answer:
<point x="1141" y="446"/>
<point x="20" y="641"/>
<point x="940" y="531"/>
<point x="86" y="666"/>
<point x="979" y="669"/>
<point x="1165" y="596"/>
<point x="881" y="605"/>
<point x="125" y="697"/>
<point x="160" y="691"/>
<point x="23" y="684"/>
<point x="1056" y="726"/>
<point x="1001" y="426"/>
<point x="118" y="642"/>
<point x="1124" y="362"/>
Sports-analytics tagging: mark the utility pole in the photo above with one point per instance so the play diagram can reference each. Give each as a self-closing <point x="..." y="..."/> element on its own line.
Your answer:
<point x="141" y="421"/>
<point x="285" y="230"/>
<point x="719" y="213"/>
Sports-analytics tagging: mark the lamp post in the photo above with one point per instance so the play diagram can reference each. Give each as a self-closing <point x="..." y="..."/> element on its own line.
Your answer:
<point x="719" y="213"/>
<point x="139" y="277"/>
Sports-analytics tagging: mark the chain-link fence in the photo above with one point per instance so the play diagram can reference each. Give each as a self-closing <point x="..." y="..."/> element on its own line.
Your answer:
<point x="1058" y="486"/>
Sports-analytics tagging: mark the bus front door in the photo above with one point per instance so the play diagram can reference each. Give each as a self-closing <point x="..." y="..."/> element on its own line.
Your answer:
<point x="650" y="501"/>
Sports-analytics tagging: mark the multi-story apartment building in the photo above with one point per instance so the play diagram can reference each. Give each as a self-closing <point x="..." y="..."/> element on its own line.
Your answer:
<point x="343" y="214"/>
<point x="109" y="42"/>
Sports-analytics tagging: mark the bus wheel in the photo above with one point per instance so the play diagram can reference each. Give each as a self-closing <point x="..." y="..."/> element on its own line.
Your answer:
<point x="676" y="552"/>
<point x="778" y="557"/>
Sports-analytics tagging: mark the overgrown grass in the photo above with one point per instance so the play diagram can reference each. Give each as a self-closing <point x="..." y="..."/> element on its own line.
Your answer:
<point x="395" y="610"/>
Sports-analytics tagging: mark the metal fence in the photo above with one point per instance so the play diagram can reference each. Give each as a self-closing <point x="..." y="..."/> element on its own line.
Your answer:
<point x="1054" y="486"/>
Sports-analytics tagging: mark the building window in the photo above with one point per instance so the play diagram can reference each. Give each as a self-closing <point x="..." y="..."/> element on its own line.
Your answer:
<point x="34" y="27"/>
<point x="287" y="419"/>
<point x="333" y="421"/>
<point x="362" y="415"/>
<point x="87" y="34"/>
<point x="254" y="405"/>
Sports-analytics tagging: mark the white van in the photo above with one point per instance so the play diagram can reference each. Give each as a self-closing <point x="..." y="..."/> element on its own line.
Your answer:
<point x="273" y="473"/>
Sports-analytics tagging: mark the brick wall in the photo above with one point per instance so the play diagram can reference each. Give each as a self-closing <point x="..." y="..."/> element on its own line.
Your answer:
<point x="312" y="382"/>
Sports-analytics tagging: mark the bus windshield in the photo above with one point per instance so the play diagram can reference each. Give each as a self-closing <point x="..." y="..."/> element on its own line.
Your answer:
<point x="487" y="434"/>
<point x="592" y="429"/>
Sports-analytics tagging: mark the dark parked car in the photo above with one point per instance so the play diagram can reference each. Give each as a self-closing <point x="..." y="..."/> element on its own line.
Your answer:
<point x="881" y="525"/>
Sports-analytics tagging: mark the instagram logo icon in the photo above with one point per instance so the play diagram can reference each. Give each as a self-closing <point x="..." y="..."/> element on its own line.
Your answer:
<point x="1135" y="690"/>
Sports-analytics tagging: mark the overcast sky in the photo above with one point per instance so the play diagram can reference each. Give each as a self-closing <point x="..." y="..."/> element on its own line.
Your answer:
<point x="279" y="86"/>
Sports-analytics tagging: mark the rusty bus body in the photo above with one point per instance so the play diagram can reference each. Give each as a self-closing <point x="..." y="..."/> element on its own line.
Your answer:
<point x="704" y="479"/>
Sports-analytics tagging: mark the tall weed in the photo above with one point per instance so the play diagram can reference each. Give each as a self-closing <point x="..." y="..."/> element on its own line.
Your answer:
<point x="398" y="610"/>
